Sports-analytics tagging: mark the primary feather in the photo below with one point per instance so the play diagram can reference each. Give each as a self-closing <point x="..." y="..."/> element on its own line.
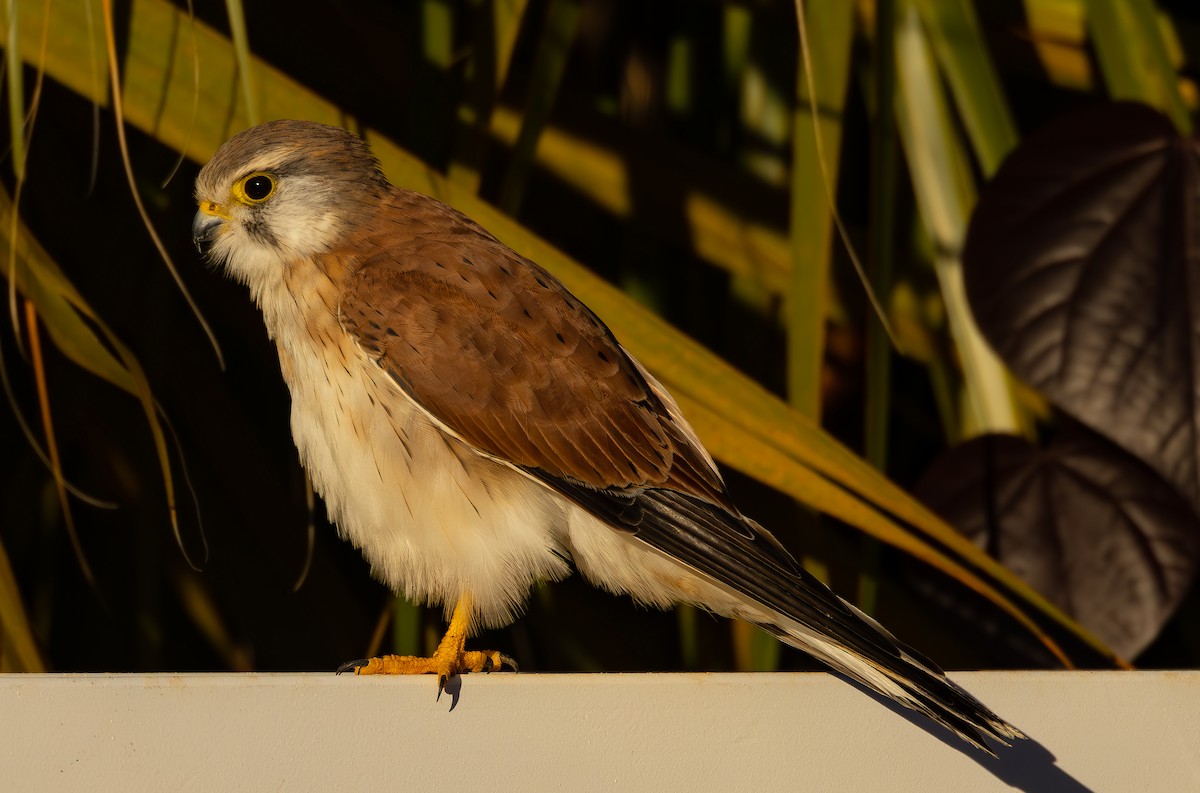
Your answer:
<point x="472" y="425"/>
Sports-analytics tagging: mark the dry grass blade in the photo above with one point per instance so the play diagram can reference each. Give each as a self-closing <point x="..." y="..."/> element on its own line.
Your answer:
<point x="15" y="79"/>
<point x="310" y="504"/>
<point x="97" y="89"/>
<point x="201" y="607"/>
<point x="827" y="183"/>
<point x="39" y="371"/>
<point x="550" y="61"/>
<point x="21" y="132"/>
<point x="115" y="81"/>
<point x="817" y="115"/>
<point x="241" y="49"/>
<point x="22" y="135"/>
<point x="882" y="208"/>
<point x="143" y="389"/>
<point x="191" y="27"/>
<point x="14" y="625"/>
<point x="42" y="454"/>
<point x="73" y="325"/>
<point x="495" y="36"/>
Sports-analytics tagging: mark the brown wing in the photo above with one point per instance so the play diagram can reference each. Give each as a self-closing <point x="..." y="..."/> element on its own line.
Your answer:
<point x="500" y="352"/>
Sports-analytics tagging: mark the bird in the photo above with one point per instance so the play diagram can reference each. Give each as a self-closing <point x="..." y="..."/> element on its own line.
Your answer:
<point x="476" y="430"/>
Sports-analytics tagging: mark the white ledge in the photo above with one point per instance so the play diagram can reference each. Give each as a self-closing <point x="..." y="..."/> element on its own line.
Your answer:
<point x="657" y="732"/>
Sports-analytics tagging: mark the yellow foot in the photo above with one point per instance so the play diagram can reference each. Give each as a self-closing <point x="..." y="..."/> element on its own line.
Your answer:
<point x="443" y="664"/>
<point x="450" y="659"/>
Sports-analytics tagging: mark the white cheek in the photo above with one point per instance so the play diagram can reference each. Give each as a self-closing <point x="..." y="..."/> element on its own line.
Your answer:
<point x="303" y="217"/>
<point x="303" y="234"/>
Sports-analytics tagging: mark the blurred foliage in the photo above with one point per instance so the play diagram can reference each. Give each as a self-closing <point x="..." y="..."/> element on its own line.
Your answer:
<point x="665" y="146"/>
<point x="1078" y="264"/>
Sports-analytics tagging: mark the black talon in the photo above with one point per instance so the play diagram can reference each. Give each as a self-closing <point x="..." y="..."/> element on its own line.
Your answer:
<point x="352" y="666"/>
<point x="509" y="661"/>
<point x="442" y="681"/>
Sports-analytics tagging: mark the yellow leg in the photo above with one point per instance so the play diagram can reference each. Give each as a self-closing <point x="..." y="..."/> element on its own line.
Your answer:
<point x="451" y="657"/>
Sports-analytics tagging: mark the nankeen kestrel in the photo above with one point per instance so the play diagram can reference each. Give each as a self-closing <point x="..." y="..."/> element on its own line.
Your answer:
<point x="475" y="429"/>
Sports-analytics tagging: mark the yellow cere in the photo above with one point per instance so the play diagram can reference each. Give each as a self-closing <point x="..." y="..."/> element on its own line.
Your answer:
<point x="214" y="209"/>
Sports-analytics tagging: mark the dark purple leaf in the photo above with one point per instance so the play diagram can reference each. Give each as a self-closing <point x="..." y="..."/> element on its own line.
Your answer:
<point x="1082" y="267"/>
<point x="1087" y="525"/>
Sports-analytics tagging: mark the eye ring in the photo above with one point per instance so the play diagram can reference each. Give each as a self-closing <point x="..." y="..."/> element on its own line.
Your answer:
<point x="257" y="187"/>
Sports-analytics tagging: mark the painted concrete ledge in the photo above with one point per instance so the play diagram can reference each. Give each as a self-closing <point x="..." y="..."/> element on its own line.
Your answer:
<point x="530" y="733"/>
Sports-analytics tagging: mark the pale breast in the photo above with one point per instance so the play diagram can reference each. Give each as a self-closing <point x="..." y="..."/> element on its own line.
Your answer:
<point x="434" y="519"/>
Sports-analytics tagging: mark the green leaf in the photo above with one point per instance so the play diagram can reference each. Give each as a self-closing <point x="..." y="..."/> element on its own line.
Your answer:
<point x="830" y="40"/>
<point x="945" y="193"/>
<point x="549" y="64"/>
<point x="962" y="52"/>
<point x="1133" y="56"/>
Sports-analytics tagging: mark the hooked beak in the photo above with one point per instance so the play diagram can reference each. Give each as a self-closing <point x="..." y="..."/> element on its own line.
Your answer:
<point x="205" y="226"/>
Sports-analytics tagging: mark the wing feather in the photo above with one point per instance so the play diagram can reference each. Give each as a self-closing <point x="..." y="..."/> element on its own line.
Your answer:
<point x="499" y="351"/>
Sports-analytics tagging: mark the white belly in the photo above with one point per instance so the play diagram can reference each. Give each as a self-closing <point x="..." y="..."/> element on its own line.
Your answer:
<point x="434" y="519"/>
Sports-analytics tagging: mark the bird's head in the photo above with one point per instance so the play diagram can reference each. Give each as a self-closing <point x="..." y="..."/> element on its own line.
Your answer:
<point x="280" y="193"/>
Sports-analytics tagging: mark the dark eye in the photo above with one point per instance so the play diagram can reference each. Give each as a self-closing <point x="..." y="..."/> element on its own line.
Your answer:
<point x="259" y="187"/>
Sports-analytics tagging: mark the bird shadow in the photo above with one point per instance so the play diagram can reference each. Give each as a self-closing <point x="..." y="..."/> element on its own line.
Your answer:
<point x="1026" y="765"/>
